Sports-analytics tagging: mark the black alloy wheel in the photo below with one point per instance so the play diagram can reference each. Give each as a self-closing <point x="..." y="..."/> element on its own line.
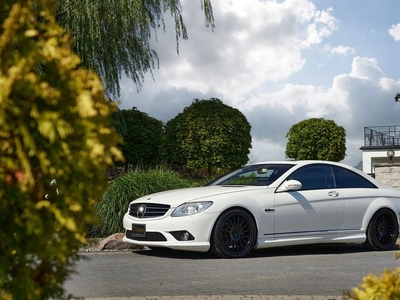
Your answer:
<point x="382" y="232"/>
<point x="234" y="234"/>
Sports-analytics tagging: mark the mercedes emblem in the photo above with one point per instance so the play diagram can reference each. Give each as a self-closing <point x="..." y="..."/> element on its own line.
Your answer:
<point x="141" y="211"/>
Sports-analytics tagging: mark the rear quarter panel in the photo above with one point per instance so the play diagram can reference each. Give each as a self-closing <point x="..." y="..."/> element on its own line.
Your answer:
<point x="361" y="204"/>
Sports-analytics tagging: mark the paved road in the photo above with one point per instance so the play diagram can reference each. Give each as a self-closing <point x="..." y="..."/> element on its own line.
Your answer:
<point x="286" y="273"/>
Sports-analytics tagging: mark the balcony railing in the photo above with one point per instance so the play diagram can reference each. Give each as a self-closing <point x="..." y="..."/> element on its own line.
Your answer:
<point x="382" y="136"/>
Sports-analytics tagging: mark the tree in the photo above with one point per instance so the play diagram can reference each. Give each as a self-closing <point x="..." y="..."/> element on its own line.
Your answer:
<point x="208" y="134"/>
<point x="142" y="138"/>
<point x="112" y="37"/>
<point x="316" y="139"/>
<point x="54" y="124"/>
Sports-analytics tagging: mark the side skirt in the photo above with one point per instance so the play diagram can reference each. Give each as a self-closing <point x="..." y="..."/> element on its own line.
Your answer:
<point x="316" y="238"/>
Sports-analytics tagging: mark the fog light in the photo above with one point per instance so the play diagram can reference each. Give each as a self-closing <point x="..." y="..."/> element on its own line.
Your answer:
<point x="182" y="235"/>
<point x="185" y="236"/>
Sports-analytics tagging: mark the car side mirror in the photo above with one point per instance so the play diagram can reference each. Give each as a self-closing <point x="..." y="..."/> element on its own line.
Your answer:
<point x="289" y="185"/>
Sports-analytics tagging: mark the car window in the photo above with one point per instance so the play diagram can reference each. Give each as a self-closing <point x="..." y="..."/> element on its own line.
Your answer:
<point x="260" y="174"/>
<point x="314" y="177"/>
<point x="349" y="179"/>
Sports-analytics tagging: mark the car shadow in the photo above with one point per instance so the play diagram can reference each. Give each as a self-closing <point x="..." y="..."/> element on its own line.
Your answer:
<point x="178" y="254"/>
<point x="318" y="249"/>
<point x="304" y="250"/>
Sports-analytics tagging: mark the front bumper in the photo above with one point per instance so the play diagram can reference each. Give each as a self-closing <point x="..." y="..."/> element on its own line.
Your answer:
<point x="167" y="231"/>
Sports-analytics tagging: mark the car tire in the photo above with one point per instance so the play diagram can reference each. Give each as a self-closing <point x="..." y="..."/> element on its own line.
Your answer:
<point x="382" y="231"/>
<point x="234" y="234"/>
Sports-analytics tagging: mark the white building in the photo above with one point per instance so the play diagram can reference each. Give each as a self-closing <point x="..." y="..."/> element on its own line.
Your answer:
<point x="378" y="140"/>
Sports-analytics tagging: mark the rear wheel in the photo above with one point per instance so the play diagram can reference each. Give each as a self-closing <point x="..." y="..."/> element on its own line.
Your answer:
<point x="382" y="231"/>
<point x="234" y="234"/>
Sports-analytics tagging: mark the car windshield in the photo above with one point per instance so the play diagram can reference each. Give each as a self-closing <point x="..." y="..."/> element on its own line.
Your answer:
<point x="258" y="174"/>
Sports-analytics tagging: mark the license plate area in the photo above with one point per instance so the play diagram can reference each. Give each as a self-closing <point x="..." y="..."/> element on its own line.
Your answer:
<point x="139" y="230"/>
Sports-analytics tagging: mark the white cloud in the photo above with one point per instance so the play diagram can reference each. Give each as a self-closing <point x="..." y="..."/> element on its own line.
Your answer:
<point x="367" y="68"/>
<point x="253" y="42"/>
<point x="395" y="32"/>
<point x="340" y="50"/>
<point x="322" y="26"/>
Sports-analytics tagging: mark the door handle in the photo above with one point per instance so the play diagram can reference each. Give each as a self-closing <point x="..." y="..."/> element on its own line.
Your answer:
<point x="333" y="194"/>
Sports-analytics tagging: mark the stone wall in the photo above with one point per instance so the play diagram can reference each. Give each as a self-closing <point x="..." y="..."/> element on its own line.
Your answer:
<point x="388" y="173"/>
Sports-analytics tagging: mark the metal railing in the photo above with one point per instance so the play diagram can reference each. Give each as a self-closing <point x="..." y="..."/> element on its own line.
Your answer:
<point x="382" y="136"/>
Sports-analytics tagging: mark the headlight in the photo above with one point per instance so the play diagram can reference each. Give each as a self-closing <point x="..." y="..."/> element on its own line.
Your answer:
<point x="192" y="208"/>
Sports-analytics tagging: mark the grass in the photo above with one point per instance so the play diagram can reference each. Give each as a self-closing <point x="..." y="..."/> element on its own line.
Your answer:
<point x="128" y="187"/>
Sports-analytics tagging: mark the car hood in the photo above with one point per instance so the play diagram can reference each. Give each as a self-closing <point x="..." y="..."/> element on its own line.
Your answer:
<point x="179" y="196"/>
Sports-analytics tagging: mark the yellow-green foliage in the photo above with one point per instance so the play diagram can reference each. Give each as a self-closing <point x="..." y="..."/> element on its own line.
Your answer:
<point x="54" y="124"/>
<point x="384" y="287"/>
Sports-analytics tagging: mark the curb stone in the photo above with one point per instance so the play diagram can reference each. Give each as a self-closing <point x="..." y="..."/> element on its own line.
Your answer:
<point x="226" y="297"/>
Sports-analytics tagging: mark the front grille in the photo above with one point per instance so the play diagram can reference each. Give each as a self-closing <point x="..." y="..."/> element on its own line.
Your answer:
<point x="150" y="236"/>
<point x="147" y="210"/>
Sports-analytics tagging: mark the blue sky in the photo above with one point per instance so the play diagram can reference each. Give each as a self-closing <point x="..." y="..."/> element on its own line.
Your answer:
<point x="281" y="62"/>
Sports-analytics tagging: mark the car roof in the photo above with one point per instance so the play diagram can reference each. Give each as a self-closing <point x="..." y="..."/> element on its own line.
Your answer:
<point x="307" y="162"/>
<point x="297" y="162"/>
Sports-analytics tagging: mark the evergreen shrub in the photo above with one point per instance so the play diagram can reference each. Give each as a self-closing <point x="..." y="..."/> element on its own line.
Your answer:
<point x="128" y="187"/>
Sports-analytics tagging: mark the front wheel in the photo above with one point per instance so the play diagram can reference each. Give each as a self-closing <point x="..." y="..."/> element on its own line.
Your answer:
<point x="234" y="234"/>
<point x="382" y="231"/>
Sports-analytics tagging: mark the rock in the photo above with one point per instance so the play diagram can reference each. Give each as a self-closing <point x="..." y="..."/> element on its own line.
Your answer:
<point x="114" y="242"/>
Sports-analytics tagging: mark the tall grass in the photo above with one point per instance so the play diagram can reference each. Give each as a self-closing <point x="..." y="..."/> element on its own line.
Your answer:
<point x="128" y="187"/>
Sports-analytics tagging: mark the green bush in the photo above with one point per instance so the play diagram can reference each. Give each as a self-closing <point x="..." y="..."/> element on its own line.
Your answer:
<point x="128" y="187"/>
<point x="142" y="137"/>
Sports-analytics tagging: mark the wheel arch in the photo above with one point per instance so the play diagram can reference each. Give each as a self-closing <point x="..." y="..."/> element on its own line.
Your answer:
<point x="232" y="208"/>
<point x="375" y="206"/>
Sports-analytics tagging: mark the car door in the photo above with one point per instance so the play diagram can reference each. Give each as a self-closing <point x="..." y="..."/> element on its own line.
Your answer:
<point x="317" y="208"/>
<point x="359" y="193"/>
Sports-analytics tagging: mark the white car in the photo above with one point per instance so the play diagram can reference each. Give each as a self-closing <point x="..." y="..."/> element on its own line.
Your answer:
<point x="269" y="204"/>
